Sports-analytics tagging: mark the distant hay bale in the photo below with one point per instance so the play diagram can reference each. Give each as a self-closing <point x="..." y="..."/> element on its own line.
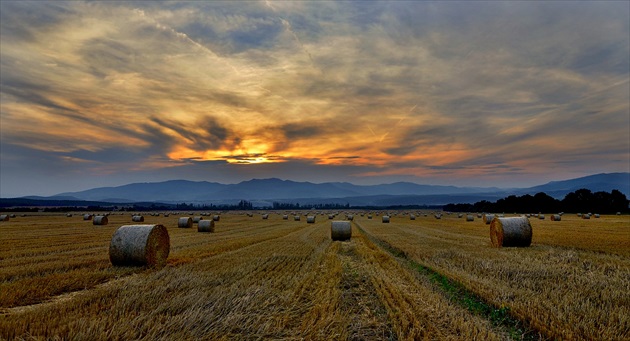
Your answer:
<point x="487" y="218"/>
<point x="596" y="215"/>
<point x="310" y="219"/>
<point x="470" y="217"/>
<point x="12" y="216"/>
<point x="250" y="215"/>
<point x="4" y="217"/>
<point x="216" y="217"/>
<point x="100" y="220"/>
<point x="185" y="222"/>
<point x="350" y="217"/>
<point x="196" y="220"/>
<point x="586" y="216"/>
<point x="556" y="217"/>
<point x="460" y="215"/>
<point x="618" y="213"/>
<point x="331" y="216"/>
<point x="137" y="219"/>
<point x="479" y="215"/>
<point x="385" y="219"/>
<point x="438" y="216"/>
<point x="87" y="217"/>
<point x="340" y="230"/>
<point x="369" y="216"/>
<point x="140" y="245"/>
<point x="507" y="232"/>
<point x="265" y="216"/>
<point x="541" y="216"/>
<point x="296" y="218"/>
<point x="285" y="217"/>
<point x="205" y="226"/>
<point x="412" y="217"/>
<point x="166" y="215"/>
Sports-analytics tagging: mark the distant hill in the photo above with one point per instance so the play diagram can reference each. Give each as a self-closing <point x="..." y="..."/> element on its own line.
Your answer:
<point x="266" y="191"/>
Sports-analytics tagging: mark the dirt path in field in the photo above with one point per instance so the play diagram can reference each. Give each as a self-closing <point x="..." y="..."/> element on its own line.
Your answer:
<point x="369" y="319"/>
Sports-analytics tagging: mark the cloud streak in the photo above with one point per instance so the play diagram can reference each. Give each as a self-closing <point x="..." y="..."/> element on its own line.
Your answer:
<point x="365" y="92"/>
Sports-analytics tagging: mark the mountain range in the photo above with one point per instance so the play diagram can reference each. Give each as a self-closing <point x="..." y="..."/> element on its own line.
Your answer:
<point x="263" y="192"/>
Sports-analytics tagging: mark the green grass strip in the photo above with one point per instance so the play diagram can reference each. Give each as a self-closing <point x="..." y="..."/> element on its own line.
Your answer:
<point x="457" y="293"/>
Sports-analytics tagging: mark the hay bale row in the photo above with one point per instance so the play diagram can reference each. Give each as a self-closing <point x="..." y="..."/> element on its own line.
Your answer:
<point x="140" y="245"/>
<point x="340" y="230"/>
<point x="507" y="232"/>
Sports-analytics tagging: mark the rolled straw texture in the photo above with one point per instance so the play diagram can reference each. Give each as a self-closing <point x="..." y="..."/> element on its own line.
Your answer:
<point x="185" y="222"/>
<point x="506" y="232"/>
<point x="340" y="230"/>
<point x="205" y="226"/>
<point x="140" y="245"/>
<point x="100" y="220"/>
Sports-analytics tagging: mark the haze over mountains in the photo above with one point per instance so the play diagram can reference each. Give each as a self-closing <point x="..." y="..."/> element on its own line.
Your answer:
<point x="266" y="191"/>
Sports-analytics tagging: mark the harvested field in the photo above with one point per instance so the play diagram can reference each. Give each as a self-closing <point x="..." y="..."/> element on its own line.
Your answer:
<point x="285" y="279"/>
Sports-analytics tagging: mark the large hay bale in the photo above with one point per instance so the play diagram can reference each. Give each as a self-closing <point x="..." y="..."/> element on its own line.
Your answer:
<point x="4" y="217"/>
<point x="506" y="232"/>
<point x="87" y="217"/>
<point x="100" y="220"/>
<point x="185" y="222"/>
<point x="205" y="226"/>
<point x="470" y="217"/>
<point x="385" y="219"/>
<point x="137" y="219"/>
<point x="216" y="217"/>
<point x="340" y="230"/>
<point x="487" y="218"/>
<point x="310" y="219"/>
<point x="196" y="220"/>
<point x="556" y="217"/>
<point x="140" y="245"/>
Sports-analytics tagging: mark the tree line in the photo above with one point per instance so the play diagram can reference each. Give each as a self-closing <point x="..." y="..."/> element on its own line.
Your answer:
<point x="580" y="201"/>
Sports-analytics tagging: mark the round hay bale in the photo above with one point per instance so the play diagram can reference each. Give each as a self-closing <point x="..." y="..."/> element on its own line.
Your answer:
<point x="596" y="215"/>
<point x="340" y="230"/>
<point x="350" y="217"/>
<point x="166" y="215"/>
<point x="618" y="213"/>
<point x="310" y="219"/>
<point x="460" y="215"/>
<point x="487" y="218"/>
<point x="412" y="217"/>
<point x="506" y="232"/>
<point x="285" y="217"/>
<point x="205" y="226"/>
<point x="250" y="215"/>
<point x="438" y="216"/>
<point x="100" y="220"/>
<point x="196" y="220"/>
<point x="541" y="216"/>
<point x="137" y="219"/>
<point x="586" y="216"/>
<point x="479" y="215"/>
<point x="265" y="216"/>
<point x="296" y="218"/>
<point x="12" y="216"/>
<point x="4" y="217"/>
<point x="470" y="217"/>
<point x="87" y="217"/>
<point x="385" y="219"/>
<point x="216" y="217"/>
<point x="69" y="215"/>
<point x="185" y="222"/>
<point x="140" y="245"/>
<point x="556" y="217"/>
<point x="331" y="216"/>
<point x="369" y="216"/>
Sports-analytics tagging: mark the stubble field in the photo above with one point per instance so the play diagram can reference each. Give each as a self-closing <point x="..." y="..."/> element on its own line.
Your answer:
<point x="285" y="279"/>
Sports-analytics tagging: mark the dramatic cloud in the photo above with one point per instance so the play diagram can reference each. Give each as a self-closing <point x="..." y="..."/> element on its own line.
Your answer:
<point x="478" y="93"/>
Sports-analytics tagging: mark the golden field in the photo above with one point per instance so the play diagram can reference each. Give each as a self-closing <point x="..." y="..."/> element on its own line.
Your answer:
<point x="284" y="279"/>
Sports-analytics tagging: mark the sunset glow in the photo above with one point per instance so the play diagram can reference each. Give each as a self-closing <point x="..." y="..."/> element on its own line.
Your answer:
<point x="471" y="93"/>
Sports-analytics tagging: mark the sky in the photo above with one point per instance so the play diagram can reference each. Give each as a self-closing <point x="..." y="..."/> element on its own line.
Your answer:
<point x="506" y="94"/>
